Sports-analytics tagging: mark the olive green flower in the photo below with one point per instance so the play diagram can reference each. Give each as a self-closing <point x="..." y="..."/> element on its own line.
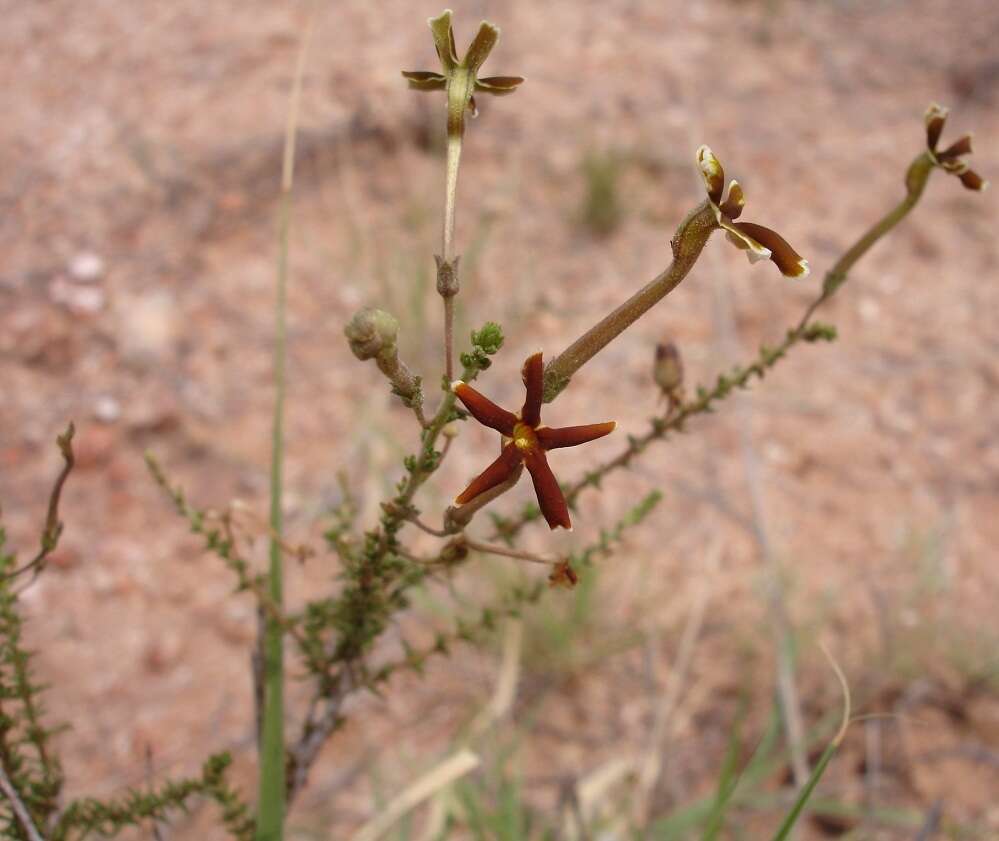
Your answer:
<point x="460" y="77"/>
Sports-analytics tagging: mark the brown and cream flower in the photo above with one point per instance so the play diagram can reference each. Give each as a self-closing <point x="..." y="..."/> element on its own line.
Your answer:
<point x="460" y="76"/>
<point x="951" y="159"/>
<point x="758" y="242"/>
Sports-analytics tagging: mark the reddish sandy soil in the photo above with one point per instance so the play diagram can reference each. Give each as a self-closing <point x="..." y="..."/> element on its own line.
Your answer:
<point x="140" y="152"/>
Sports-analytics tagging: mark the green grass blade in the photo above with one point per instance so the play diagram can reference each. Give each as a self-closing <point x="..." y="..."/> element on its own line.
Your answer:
<point x="273" y="784"/>
<point x="806" y="792"/>
<point x="727" y="781"/>
<point x="813" y="780"/>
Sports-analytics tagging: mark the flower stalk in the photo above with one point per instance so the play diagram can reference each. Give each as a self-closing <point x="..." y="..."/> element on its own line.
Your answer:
<point x="951" y="160"/>
<point x="459" y="79"/>
<point x="687" y="243"/>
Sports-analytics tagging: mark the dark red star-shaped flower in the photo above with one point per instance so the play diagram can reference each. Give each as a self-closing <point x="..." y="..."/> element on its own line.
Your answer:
<point x="529" y="441"/>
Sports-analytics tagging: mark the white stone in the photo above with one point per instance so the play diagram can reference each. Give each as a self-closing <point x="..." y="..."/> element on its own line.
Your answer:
<point x="86" y="267"/>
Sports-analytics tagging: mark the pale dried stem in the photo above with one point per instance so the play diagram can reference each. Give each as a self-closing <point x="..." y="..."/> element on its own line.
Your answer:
<point x="651" y="766"/>
<point x="17" y="805"/>
<point x="425" y="787"/>
<point x="447" y="244"/>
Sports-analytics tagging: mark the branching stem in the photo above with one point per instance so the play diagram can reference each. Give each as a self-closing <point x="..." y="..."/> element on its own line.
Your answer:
<point x="53" y="526"/>
<point x="915" y="181"/>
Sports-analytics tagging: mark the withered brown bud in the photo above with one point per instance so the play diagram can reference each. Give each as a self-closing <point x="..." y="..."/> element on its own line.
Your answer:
<point x="447" y="277"/>
<point x="667" y="370"/>
<point x="454" y="552"/>
<point x="563" y="575"/>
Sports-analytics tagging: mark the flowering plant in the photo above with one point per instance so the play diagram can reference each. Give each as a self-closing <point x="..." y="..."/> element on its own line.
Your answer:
<point x="337" y="637"/>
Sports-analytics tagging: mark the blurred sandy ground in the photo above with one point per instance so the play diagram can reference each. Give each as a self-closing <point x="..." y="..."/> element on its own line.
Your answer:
<point x="140" y="156"/>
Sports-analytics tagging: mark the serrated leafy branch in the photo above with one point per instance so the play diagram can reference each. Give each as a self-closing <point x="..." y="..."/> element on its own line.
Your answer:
<point x="216" y="530"/>
<point x="511" y="601"/>
<point x="52" y="530"/>
<point x="87" y="816"/>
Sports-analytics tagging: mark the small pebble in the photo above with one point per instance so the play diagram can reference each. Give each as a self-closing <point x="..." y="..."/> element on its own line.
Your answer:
<point x="86" y="267"/>
<point x="107" y="409"/>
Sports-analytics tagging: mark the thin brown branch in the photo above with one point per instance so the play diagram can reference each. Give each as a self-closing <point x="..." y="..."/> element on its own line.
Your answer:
<point x="53" y="525"/>
<point x="507" y="552"/>
<point x="322" y="719"/>
<point x="416" y="521"/>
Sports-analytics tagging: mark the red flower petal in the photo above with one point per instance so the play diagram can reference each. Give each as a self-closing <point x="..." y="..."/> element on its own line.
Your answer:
<point x="497" y="473"/>
<point x="571" y="436"/>
<point x="484" y="410"/>
<point x="534" y="381"/>
<point x="973" y="181"/>
<point x="550" y="498"/>
<point x="956" y="149"/>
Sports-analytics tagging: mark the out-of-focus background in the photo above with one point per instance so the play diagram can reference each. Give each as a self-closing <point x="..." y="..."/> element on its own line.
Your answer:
<point x="140" y="159"/>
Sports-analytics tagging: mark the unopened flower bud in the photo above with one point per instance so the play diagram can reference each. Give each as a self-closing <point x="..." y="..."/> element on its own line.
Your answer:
<point x="667" y="370"/>
<point x="372" y="332"/>
<point x="447" y="277"/>
<point x="450" y="430"/>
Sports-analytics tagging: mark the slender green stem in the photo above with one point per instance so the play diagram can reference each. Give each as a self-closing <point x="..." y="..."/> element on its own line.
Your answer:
<point x="447" y="244"/>
<point x="448" y="338"/>
<point x="915" y="182"/>
<point x="272" y="797"/>
<point x="687" y="243"/>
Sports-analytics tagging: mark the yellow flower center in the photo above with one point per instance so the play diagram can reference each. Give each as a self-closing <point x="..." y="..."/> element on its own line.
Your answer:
<point x="524" y="437"/>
